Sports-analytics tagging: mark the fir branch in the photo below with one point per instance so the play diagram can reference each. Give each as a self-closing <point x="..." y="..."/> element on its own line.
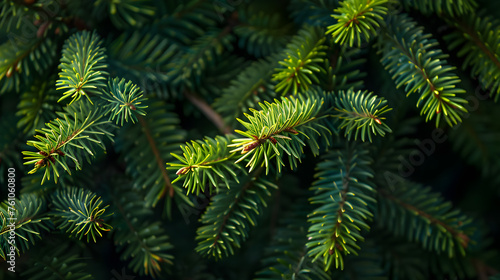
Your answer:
<point x="261" y="33"/>
<point x="205" y="162"/>
<point x="79" y="129"/>
<point x="37" y="105"/>
<point x="125" y="101"/>
<point x="21" y="60"/>
<point x="420" y="215"/>
<point x="414" y="62"/>
<point x="346" y="204"/>
<point x="146" y="147"/>
<point x="286" y="257"/>
<point x="141" y="56"/>
<point x="343" y="69"/>
<point x="186" y="22"/>
<point x="449" y="7"/>
<point x="58" y="261"/>
<point x="79" y="212"/>
<point x="227" y="221"/>
<point x="476" y="140"/>
<point x="25" y="217"/>
<point x="194" y="60"/>
<point x="358" y="20"/>
<point x="83" y="68"/>
<point x="313" y="12"/>
<point x="159" y="162"/>
<point x="304" y="55"/>
<point x="477" y="38"/>
<point x="249" y="88"/>
<point x="14" y="12"/>
<point x="275" y="130"/>
<point x="361" y="112"/>
<point x="126" y="13"/>
<point x="366" y="265"/>
<point x="141" y="241"/>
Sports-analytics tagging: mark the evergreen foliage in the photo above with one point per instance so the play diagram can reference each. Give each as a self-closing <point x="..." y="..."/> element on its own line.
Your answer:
<point x="146" y="147"/>
<point x="302" y="61"/>
<point x="249" y="139"/>
<point x="240" y="207"/>
<point x="356" y="18"/>
<point x="478" y="39"/>
<point x="20" y="59"/>
<point x="140" y="240"/>
<point x="201" y="158"/>
<point x="345" y="197"/>
<point x="58" y="262"/>
<point x="82" y="67"/>
<point x="29" y="220"/>
<point x="425" y="72"/>
<point x="78" y="212"/>
<point x="38" y="105"/>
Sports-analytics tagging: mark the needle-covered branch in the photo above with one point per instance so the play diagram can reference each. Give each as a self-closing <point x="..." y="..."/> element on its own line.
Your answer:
<point x="304" y="57"/>
<point x="79" y="213"/>
<point x="125" y="101"/>
<point x="284" y="127"/>
<point x="69" y="138"/>
<point x="361" y="114"/>
<point x="26" y="218"/>
<point x="277" y="129"/>
<point x="205" y="163"/>
<point x="358" y="21"/>
<point x="420" y="215"/>
<point x="477" y="39"/>
<point x="414" y="61"/>
<point x="346" y="204"/>
<point x="83" y="67"/>
<point x="230" y="216"/>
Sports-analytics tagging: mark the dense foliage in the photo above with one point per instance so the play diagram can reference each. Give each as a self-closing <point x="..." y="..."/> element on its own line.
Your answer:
<point x="240" y="139"/>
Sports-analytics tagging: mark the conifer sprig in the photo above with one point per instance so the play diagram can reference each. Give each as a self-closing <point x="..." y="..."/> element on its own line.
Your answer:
<point x="286" y="257"/>
<point x="203" y="52"/>
<point x="276" y="130"/>
<point x="361" y="114"/>
<point x="38" y="105"/>
<point x="250" y="87"/>
<point x="358" y="21"/>
<point x="28" y="215"/>
<point x="230" y="215"/>
<point x="415" y="63"/>
<point x="146" y="147"/>
<point x="141" y="240"/>
<point x="22" y="60"/>
<point x="125" y="100"/>
<point x="80" y="213"/>
<point x="440" y="7"/>
<point x="83" y="68"/>
<point x="128" y="13"/>
<point x="304" y="55"/>
<point x="58" y="260"/>
<point x="422" y="216"/>
<point x="205" y="162"/>
<point x="141" y="56"/>
<point x="346" y="203"/>
<point x="13" y="13"/>
<point x="71" y="137"/>
<point x="477" y="38"/>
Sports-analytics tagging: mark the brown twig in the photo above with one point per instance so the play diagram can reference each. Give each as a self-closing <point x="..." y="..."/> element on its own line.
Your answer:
<point x="159" y="160"/>
<point x="208" y="111"/>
